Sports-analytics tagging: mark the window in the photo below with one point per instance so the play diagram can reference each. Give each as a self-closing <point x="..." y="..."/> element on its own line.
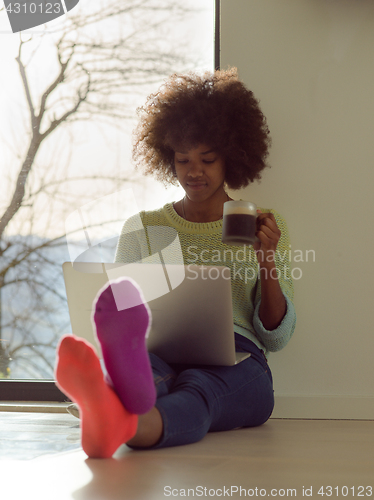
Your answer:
<point x="70" y="97"/>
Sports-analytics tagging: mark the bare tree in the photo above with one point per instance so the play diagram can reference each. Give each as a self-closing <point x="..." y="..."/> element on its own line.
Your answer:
<point x="101" y="58"/>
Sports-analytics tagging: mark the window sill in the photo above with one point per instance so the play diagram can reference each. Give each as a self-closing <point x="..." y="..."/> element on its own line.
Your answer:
<point x="34" y="406"/>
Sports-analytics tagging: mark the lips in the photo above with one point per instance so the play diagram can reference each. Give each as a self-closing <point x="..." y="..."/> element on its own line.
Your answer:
<point x="196" y="185"/>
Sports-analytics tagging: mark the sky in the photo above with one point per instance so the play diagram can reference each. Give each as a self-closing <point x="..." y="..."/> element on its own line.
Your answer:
<point x="90" y="147"/>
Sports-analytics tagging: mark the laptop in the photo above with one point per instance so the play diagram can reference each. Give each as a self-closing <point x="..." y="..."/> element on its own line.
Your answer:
<point x="191" y="307"/>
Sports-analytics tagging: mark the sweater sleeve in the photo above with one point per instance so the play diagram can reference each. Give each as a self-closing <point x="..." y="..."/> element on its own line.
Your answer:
<point x="132" y="244"/>
<point x="276" y="339"/>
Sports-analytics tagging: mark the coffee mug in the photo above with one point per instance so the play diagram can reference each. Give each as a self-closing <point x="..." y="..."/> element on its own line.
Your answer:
<point x="239" y="223"/>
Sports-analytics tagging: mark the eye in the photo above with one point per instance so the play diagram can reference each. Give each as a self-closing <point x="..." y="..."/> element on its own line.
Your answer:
<point x="209" y="161"/>
<point x="181" y="160"/>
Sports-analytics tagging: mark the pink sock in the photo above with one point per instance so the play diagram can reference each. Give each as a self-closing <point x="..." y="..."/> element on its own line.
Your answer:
<point x="122" y="335"/>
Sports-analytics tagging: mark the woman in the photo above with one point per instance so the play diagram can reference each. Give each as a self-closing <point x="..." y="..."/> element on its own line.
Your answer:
<point x="205" y="133"/>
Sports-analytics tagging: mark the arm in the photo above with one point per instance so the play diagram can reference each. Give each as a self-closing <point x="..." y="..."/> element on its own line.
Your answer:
<point x="273" y="305"/>
<point x="272" y="308"/>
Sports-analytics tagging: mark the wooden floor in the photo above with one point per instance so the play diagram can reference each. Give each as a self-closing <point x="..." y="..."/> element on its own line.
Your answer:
<point x="41" y="458"/>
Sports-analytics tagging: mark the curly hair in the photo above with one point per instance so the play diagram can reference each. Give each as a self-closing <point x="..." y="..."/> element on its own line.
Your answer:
<point x="214" y="109"/>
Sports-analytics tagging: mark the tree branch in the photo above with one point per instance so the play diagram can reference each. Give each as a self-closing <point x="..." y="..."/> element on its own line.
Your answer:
<point x="19" y="192"/>
<point x="60" y="78"/>
<point x="25" y="83"/>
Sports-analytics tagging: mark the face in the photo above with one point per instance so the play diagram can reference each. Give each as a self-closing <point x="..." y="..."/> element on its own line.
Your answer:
<point x="200" y="172"/>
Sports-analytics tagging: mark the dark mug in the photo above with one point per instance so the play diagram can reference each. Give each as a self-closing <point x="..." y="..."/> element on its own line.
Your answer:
<point x="239" y="223"/>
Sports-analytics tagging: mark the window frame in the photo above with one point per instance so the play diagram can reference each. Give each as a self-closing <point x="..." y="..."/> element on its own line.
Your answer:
<point x="46" y="390"/>
<point x="31" y="390"/>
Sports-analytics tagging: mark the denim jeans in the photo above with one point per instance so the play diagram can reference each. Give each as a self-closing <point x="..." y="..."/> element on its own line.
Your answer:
<point x="194" y="400"/>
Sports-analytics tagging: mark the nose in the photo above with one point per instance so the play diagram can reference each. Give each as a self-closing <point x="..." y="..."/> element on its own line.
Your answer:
<point x="195" y="170"/>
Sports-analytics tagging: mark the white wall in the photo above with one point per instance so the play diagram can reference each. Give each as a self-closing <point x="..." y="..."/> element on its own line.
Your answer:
<point x="311" y="64"/>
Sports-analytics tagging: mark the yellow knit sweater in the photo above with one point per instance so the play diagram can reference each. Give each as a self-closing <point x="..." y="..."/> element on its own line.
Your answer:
<point x="146" y="234"/>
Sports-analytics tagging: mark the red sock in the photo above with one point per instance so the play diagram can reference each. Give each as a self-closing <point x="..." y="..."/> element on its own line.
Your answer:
<point x="105" y="423"/>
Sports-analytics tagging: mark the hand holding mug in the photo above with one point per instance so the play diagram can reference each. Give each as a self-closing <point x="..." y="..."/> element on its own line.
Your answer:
<point x="268" y="235"/>
<point x="244" y="224"/>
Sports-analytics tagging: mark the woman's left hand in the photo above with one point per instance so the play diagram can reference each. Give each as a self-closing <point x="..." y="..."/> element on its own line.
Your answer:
<point x="273" y="305"/>
<point x="268" y="234"/>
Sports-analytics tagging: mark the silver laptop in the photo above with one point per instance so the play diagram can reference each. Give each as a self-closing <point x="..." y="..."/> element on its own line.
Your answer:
<point x="191" y="306"/>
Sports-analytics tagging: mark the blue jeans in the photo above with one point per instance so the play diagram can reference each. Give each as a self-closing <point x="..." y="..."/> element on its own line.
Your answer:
<point x="194" y="400"/>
